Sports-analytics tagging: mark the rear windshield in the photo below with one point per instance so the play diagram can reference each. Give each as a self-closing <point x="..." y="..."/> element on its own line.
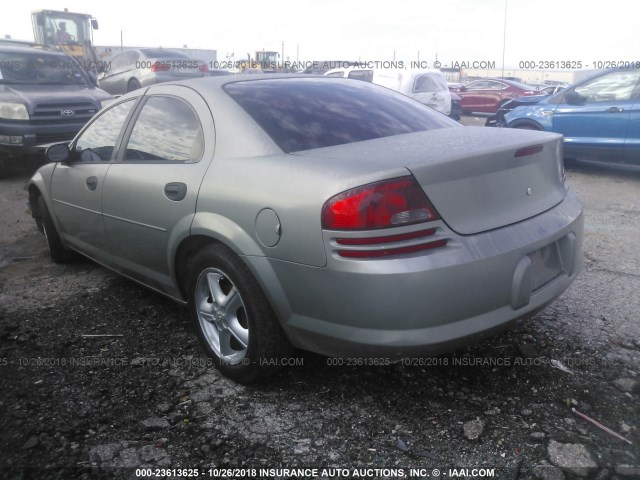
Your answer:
<point x="429" y="83"/>
<point x="306" y="113"/>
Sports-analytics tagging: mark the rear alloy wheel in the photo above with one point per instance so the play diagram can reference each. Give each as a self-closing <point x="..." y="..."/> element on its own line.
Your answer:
<point x="133" y="85"/>
<point x="58" y="252"/>
<point x="234" y="321"/>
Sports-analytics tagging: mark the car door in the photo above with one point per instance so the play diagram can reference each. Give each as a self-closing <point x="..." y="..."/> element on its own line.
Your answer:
<point x="149" y="195"/>
<point x="76" y="186"/>
<point x="594" y="116"/>
<point x="496" y="93"/>
<point x="474" y="95"/>
<point x="632" y="144"/>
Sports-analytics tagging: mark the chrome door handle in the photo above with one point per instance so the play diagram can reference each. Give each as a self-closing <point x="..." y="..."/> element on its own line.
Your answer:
<point x="615" y="110"/>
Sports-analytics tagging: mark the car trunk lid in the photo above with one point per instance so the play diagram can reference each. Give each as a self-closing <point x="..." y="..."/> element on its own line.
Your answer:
<point x="499" y="181"/>
<point x="478" y="179"/>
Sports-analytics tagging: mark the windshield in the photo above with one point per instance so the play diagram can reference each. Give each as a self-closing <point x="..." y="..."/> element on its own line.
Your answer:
<point x="429" y="83"/>
<point x="267" y="57"/>
<point x="39" y="69"/>
<point x="61" y="28"/>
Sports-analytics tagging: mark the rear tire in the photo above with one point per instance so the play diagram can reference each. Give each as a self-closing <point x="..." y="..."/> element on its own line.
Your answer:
<point x="58" y="252"/>
<point x="133" y="84"/>
<point x="234" y="321"/>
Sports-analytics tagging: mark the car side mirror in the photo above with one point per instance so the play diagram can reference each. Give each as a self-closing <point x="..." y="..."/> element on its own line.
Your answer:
<point x="574" y="98"/>
<point x="462" y="88"/>
<point x="57" y="153"/>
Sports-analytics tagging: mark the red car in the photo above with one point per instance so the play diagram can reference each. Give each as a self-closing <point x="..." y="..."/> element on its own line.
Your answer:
<point x="489" y="94"/>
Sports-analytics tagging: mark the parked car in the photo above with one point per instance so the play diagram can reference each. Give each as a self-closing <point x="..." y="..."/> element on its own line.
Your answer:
<point x="330" y="215"/>
<point x="489" y="94"/>
<point x="498" y="120"/>
<point x="45" y="97"/>
<point x="599" y="117"/>
<point x="141" y="67"/>
<point x="426" y="86"/>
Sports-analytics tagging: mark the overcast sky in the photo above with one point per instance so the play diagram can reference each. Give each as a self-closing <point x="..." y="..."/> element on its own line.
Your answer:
<point x="455" y="30"/>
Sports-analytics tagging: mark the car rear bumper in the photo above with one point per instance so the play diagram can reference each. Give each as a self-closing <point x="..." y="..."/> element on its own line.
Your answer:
<point x="428" y="302"/>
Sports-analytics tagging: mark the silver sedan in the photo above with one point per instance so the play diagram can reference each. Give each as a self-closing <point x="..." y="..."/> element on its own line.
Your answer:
<point x="141" y="67"/>
<point x="321" y="213"/>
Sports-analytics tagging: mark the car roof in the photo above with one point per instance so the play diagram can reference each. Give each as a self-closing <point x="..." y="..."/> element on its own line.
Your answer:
<point x="245" y="77"/>
<point x="375" y="69"/>
<point x="238" y="135"/>
<point x="513" y="83"/>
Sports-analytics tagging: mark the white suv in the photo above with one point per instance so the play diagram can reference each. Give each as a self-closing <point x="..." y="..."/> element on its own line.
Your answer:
<point x="426" y="86"/>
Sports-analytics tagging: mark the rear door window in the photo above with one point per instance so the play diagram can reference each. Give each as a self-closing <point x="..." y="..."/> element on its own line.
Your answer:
<point x="615" y="87"/>
<point x="167" y="129"/>
<point x="429" y="83"/>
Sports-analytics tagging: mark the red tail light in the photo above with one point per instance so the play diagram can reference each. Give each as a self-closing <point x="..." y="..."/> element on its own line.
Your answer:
<point x="160" y="67"/>
<point x="385" y="204"/>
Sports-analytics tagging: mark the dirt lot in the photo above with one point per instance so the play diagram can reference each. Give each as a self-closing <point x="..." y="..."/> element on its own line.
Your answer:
<point x="99" y="376"/>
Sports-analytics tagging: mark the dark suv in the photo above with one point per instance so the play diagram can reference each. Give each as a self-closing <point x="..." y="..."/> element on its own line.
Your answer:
<point x="45" y="97"/>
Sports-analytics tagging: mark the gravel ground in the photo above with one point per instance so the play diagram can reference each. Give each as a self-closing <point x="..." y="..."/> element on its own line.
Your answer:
<point x="99" y="376"/>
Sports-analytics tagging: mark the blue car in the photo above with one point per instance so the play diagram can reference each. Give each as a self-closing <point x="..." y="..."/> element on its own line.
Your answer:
<point x="599" y="117"/>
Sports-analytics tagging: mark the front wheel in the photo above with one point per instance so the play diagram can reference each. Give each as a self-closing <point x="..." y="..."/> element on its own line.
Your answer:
<point x="58" y="252"/>
<point x="233" y="319"/>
